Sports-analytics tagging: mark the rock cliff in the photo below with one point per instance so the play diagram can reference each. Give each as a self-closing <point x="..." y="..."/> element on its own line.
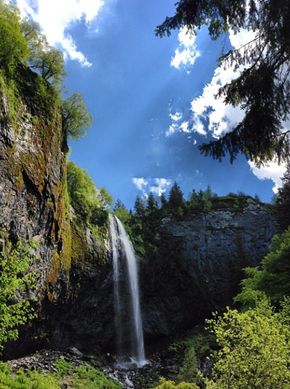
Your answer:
<point x="200" y="266"/>
<point x="32" y="180"/>
<point x="197" y="270"/>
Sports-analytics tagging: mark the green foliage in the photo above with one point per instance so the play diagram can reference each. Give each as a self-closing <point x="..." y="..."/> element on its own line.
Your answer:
<point x="87" y="377"/>
<point x="272" y="277"/>
<point x="33" y="71"/>
<point x="122" y="213"/>
<point x="16" y="281"/>
<point x="26" y="380"/>
<point x="43" y="58"/>
<point x="176" y="201"/>
<point x="13" y="45"/>
<point x="262" y="86"/>
<point x="195" y="349"/>
<point x="164" y="384"/>
<point x="75" y="116"/>
<point x="282" y="201"/>
<point x="89" y="202"/>
<point x="254" y="349"/>
<point x="81" y="377"/>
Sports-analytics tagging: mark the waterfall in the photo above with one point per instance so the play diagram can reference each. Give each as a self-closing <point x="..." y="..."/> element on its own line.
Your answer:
<point x="126" y="297"/>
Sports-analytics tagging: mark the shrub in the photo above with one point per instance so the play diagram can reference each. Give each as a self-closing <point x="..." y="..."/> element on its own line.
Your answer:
<point x="254" y="349"/>
<point x="272" y="277"/>
<point x="16" y="280"/>
<point x="164" y="384"/>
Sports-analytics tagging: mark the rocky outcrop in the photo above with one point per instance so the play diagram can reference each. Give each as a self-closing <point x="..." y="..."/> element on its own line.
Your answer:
<point x="200" y="265"/>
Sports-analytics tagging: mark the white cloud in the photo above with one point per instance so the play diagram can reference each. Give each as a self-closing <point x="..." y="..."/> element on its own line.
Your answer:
<point x="220" y="117"/>
<point x="271" y="171"/>
<point x="175" y="117"/>
<point x="56" y="17"/>
<point x="184" y="127"/>
<point x="187" y="53"/>
<point x="140" y="182"/>
<point x="151" y="185"/>
<point x="161" y="186"/>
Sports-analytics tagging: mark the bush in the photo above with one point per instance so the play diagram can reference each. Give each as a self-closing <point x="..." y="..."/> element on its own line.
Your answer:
<point x="16" y="280"/>
<point x="163" y="384"/>
<point x="28" y="380"/>
<point x="272" y="277"/>
<point x="254" y="349"/>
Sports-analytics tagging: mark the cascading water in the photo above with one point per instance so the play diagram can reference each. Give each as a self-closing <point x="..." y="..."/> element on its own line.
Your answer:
<point x="126" y="295"/>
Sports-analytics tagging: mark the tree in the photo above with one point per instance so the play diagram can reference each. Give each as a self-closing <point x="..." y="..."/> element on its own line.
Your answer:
<point x="16" y="280"/>
<point x="43" y="58"/>
<point x="49" y="63"/>
<point x="13" y="45"/>
<point x="83" y="194"/>
<point x="253" y="349"/>
<point x="106" y="199"/>
<point x="75" y="116"/>
<point x="152" y="204"/>
<point x="175" y="200"/>
<point x="139" y="207"/>
<point x="282" y="202"/>
<point x="121" y="212"/>
<point x="163" y="201"/>
<point x="272" y="277"/>
<point x="262" y="88"/>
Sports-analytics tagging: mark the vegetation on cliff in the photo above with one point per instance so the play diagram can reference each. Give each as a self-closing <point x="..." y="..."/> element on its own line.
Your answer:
<point x="25" y="52"/>
<point x="16" y="279"/>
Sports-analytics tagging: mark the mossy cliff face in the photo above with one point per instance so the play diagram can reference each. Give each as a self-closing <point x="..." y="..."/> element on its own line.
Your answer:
<point x="32" y="180"/>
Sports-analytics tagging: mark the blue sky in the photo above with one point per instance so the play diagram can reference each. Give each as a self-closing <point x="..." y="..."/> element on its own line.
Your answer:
<point x="139" y="91"/>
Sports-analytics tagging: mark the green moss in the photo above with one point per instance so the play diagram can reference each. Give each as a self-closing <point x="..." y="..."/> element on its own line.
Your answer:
<point x="10" y="94"/>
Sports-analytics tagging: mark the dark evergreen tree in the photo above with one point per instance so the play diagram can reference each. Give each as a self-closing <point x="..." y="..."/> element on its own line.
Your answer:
<point x="163" y="201"/>
<point x="175" y="197"/>
<point x="193" y="200"/>
<point x="139" y="207"/>
<point x="152" y="204"/>
<point x="262" y="88"/>
<point x="283" y="201"/>
<point x="118" y="205"/>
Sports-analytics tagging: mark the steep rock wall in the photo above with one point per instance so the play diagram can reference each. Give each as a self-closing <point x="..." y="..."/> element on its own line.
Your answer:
<point x="33" y="200"/>
<point x="199" y="268"/>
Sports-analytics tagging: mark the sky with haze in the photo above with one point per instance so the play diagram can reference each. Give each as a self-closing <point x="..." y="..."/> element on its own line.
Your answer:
<point x="152" y="100"/>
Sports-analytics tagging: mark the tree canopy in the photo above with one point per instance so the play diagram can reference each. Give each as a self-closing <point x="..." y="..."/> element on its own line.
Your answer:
<point x="13" y="45"/>
<point x="262" y="87"/>
<point x="282" y="203"/>
<point x="75" y="116"/>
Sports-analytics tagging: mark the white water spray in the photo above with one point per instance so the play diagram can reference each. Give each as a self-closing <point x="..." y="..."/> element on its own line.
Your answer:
<point x="122" y="249"/>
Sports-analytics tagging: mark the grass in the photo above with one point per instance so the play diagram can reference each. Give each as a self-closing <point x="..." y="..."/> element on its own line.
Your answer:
<point x="76" y="377"/>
